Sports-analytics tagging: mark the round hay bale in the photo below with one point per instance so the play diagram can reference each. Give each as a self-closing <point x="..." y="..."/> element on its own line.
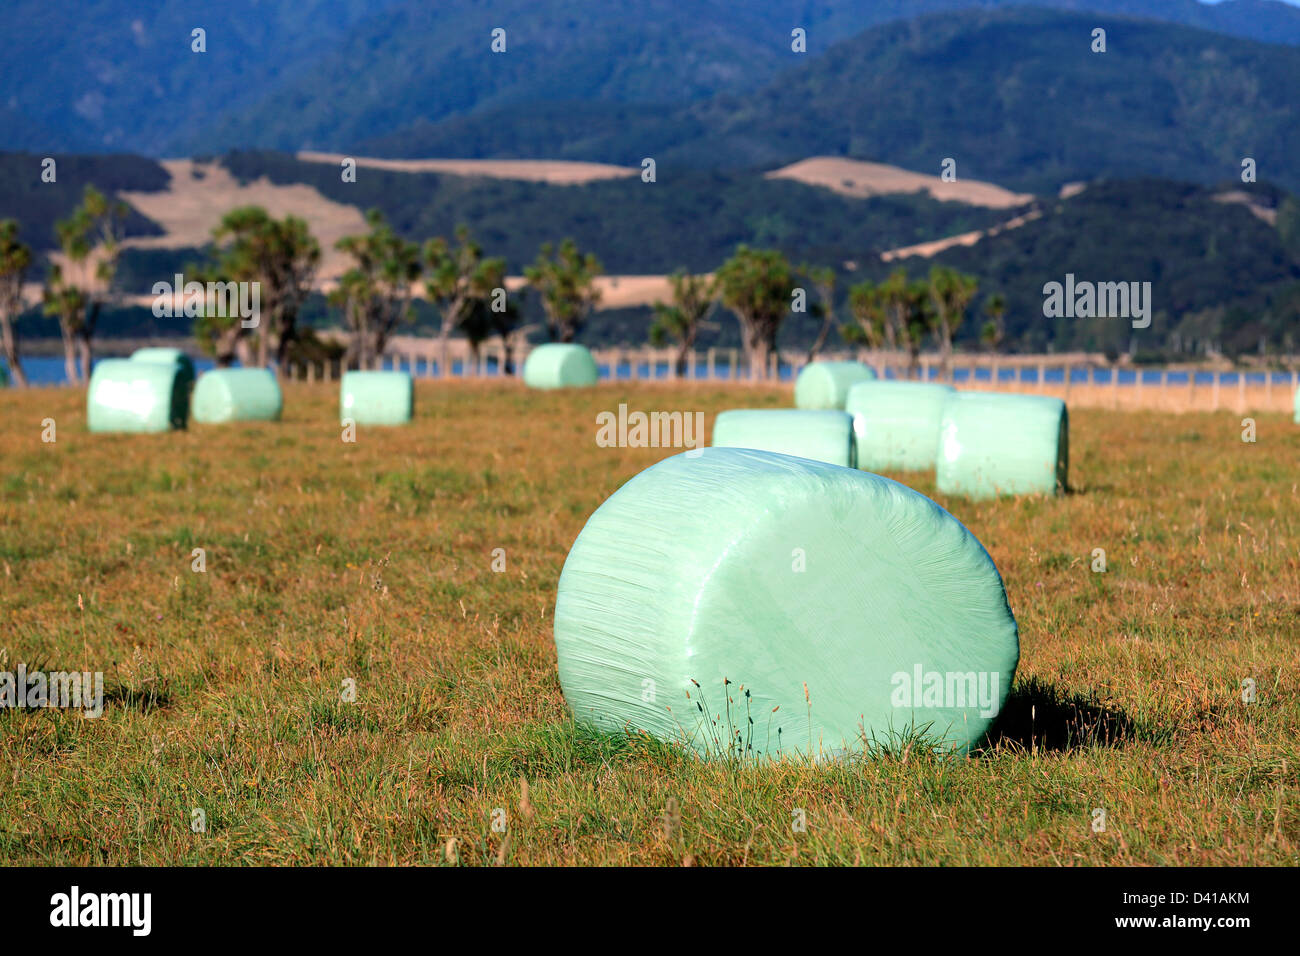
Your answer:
<point x="820" y="435"/>
<point x="376" y="398"/>
<point x="130" y="396"/>
<point x="992" y="444"/>
<point x="827" y="384"/>
<point x="778" y="574"/>
<point x="560" y="365"/>
<point x="896" y="424"/>
<point x="237" y="395"/>
<point x="169" y="356"/>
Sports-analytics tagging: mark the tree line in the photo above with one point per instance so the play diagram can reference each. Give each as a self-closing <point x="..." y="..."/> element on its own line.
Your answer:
<point x="374" y="295"/>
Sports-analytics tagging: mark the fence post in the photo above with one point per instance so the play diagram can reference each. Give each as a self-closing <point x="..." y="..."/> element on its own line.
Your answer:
<point x="1218" y="376"/>
<point x="1114" y="387"/>
<point x="732" y="370"/>
<point x="709" y="358"/>
<point x="1241" y="390"/>
<point x="1067" y="372"/>
<point x="1191" y="389"/>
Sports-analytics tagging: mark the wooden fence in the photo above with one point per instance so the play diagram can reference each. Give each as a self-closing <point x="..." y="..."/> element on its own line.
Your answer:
<point x="1080" y="380"/>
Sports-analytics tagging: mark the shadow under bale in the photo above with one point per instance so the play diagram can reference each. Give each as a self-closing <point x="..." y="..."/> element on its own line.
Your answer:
<point x="1038" y="716"/>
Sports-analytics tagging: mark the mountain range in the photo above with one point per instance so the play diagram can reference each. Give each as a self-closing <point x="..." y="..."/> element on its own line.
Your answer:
<point x="340" y="74"/>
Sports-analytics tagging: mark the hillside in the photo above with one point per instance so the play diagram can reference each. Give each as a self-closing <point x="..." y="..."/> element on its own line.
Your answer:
<point x="689" y="218"/>
<point x="39" y="205"/>
<point x="1016" y="97"/>
<point x="1199" y="253"/>
<point x="1221" y="267"/>
<point x="334" y="74"/>
<point x="121" y="76"/>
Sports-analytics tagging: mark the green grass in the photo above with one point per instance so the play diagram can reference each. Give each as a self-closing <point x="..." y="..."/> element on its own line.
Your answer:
<point x="372" y="562"/>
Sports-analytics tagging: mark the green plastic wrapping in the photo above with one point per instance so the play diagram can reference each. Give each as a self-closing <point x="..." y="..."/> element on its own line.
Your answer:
<point x="4" y="376"/>
<point x="560" y="365"/>
<point x="993" y="444"/>
<point x="782" y="576"/>
<point x="827" y="384"/>
<point x="820" y="435"/>
<point x="169" y="356"/>
<point x="130" y="396"/>
<point x="237" y="395"/>
<point x="896" y="424"/>
<point x="377" y="398"/>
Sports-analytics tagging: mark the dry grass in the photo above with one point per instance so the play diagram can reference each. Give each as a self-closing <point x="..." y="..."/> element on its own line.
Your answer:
<point x="860" y="179"/>
<point x="199" y="194"/>
<point x="372" y="562"/>
<point x="557" y="172"/>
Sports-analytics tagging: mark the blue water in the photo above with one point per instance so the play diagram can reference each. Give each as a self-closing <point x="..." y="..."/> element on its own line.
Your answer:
<point x="43" y="370"/>
<point x="49" y="371"/>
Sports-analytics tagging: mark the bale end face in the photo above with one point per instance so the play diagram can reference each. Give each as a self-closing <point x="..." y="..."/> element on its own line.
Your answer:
<point x="129" y="396"/>
<point x="825" y="385"/>
<point x="237" y="395"/>
<point x="560" y="365"/>
<point x="993" y="445"/>
<point x="376" y="398"/>
<point x="825" y="436"/>
<point x="896" y="424"/>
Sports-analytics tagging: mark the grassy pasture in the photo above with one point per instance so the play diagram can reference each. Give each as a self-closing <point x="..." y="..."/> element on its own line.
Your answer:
<point x="328" y="561"/>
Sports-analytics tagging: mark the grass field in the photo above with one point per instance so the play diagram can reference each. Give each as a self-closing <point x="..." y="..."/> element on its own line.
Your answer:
<point x="373" y="562"/>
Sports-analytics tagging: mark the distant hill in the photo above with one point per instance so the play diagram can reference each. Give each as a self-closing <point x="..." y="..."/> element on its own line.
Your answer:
<point x="334" y="74"/>
<point x="1220" y="267"/>
<point x="39" y="205"/>
<point x="1199" y="253"/>
<point x="119" y="75"/>
<point x="693" y="220"/>
<point x="1016" y="97"/>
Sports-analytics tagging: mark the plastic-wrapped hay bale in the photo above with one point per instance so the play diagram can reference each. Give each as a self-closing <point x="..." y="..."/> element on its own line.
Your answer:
<point x="237" y="395"/>
<point x="560" y="365"/>
<point x="992" y="444"/>
<point x="130" y="396"/>
<point x="827" y="384"/>
<point x="377" y="398"/>
<point x="775" y="574"/>
<point x="896" y="424"/>
<point x="820" y="435"/>
<point x="169" y="356"/>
